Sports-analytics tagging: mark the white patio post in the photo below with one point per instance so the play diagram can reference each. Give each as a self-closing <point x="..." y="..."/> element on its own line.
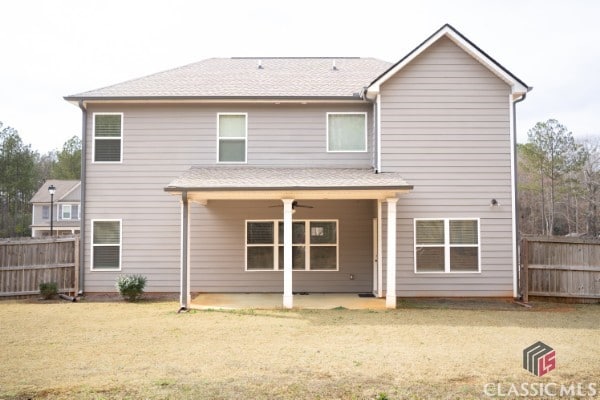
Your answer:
<point x="390" y="296"/>
<point x="184" y="298"/>
<point x="288" y="297"/>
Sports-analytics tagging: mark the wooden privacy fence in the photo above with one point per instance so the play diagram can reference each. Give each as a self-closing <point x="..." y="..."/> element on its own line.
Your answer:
<point x="560" y="267"/>
<point x="25" y="263"/>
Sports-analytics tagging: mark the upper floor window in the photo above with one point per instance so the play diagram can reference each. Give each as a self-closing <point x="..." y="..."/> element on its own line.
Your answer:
<point x="69" y="211"/>
<point x="66" y="211"/>
<point x="45" y="212"/>
<point x="108" y="137"/>
<point x="232" y="136"/>
<point x="346" y="132"/>
<point x="447" y="245"/>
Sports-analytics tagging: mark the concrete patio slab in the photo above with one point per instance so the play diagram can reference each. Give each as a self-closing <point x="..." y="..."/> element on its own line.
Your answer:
<point x="315" y="301"/>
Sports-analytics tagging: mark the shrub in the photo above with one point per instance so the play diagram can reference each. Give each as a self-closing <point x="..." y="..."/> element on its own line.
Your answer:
<point x="131" y="286"/>
<point x="48" y="290"/>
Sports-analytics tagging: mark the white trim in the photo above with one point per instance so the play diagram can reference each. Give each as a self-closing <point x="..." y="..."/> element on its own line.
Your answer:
<point x="106" y="138"/>
<point x="516" y="87"/>
<point x="513" y="199"/>
<point x="120" y="221"/>
<point x="307" y="245"/>
<point x="245" y="138"/>
<point x="378" y="132"/>
<point x="447" y="246"/>
<point x="366" y="147"/>
<point x="380" y="248"/>
<point x="288" y="210"/>
<point x="390" y="292"/>
<point x="255" y="100"/>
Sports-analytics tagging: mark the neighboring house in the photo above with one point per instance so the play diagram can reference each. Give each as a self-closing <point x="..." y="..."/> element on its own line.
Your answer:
<point x="65" y="213"/>
<point x="306" y="175"/>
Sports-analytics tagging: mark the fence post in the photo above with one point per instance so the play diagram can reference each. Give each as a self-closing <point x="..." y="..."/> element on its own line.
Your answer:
<point x="76" y="265"/>
<point x="525" y="269"/>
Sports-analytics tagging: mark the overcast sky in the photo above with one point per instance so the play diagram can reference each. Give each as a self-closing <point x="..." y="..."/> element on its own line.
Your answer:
<point x="49" y="49"/>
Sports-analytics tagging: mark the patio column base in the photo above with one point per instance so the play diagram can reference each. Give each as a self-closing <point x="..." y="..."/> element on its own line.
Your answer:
<point x="288" y="301"/>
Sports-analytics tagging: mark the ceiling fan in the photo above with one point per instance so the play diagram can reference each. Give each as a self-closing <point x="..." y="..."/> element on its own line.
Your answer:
<point x="294" y="205"/>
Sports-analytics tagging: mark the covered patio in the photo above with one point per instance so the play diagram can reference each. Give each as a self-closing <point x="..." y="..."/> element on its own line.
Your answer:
<point x="310" y="301"/>
<point x="202" y="185"/>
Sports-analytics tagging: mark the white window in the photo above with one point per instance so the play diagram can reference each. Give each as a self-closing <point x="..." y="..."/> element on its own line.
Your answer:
<point x="232" y="134"/>
<point x="346" y="132"/>
<point x="447" y="245"/>
<point x="45" y="212"/>
<point x="108" y="137"/>
<point x="106" y="245"/>
<point x="314" y="245"/>
<point x="66" y="211"/>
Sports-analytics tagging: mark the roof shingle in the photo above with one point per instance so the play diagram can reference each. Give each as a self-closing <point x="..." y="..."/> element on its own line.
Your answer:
<point x="241" y="77"/>
<point x="250" y="178"/>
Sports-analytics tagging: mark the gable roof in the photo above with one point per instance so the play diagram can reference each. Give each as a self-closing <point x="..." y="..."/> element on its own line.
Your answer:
<point x="66" y="190"/>
<point x="238" y="78"/>
<point x="518" y="87"/>
<point x="293" y="78"/>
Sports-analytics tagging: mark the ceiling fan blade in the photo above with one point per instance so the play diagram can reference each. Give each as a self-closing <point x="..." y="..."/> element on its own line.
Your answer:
<point x="302" y="205"/>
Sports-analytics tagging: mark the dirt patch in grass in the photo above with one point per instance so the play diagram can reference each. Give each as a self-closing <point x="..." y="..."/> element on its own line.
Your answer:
<point x="118" y="350"/>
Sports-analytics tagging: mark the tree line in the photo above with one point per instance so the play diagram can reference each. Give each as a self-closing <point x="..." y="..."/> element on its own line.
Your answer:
<point x="558" y="182"/>
<point x="22" y="172"/>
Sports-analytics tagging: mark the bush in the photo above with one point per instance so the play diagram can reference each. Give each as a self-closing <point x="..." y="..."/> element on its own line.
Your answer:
<point x="131" y="286"/>
<point x="48" y="290"/>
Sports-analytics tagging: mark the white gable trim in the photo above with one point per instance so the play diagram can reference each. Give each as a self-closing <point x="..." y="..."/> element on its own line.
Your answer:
<point x="517" y="87"/>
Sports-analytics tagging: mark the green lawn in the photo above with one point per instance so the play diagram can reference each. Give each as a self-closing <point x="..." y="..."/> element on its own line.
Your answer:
<point x="116" y="350"/>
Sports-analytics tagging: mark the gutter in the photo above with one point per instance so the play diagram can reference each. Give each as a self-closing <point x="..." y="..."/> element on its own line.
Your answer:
<point x="516" y="200"/>
<point x="82" y="188"/>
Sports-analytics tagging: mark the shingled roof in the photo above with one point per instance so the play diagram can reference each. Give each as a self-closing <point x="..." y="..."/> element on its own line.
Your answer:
<point x="66" y="190"/>
<point x="328" y="77"/>
<point x="252" y="178"/>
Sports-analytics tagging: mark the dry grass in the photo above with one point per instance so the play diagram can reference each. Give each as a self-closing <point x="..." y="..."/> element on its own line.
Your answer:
<point x="116" y="350"/>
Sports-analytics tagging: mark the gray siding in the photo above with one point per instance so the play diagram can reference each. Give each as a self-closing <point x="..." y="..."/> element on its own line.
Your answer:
<point x="162" y="141"/>
<point x="37" y="214"/>
<point x="445" y="127"/>
<point x="217" y="255"/>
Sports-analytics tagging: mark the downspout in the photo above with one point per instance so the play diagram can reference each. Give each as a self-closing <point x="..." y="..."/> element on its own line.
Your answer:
<point x="82" y="189"/>
<point x="516" y="191"/>
<point x="378" y="133"/>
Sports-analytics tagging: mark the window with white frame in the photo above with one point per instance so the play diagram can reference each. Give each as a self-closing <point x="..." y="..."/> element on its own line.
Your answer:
<point x="314" y="245"/>
<point x="45" y="212"/>
<point x="69" y="211"/>
<point x="447" y="245"/>
<point x="346" y="132"/>
<point x="108" y="137"/>
<point x="232" y="134"/>
<point x="106" y="245"/>
<point x="66" y="211"/>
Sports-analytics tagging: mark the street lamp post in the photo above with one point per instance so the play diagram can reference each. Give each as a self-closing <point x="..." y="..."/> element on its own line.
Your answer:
<point x="51" y="190"/>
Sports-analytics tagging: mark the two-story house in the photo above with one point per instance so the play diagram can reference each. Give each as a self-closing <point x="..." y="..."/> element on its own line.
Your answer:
<point x="62" y="208"/>
<point x="306" y="175"/>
